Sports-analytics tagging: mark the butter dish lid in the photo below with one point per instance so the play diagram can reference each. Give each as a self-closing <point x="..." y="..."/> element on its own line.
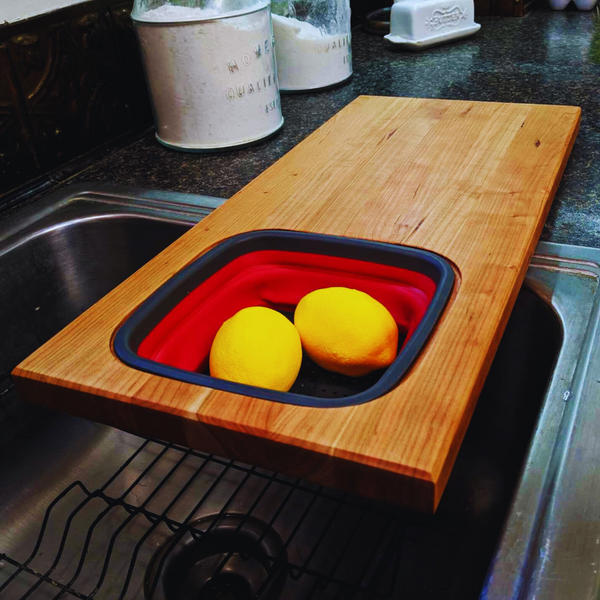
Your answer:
<point x="419" y="24"/>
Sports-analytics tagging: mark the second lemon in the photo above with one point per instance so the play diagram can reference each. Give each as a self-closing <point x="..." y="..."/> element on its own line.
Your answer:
<point x="346" y="331"/>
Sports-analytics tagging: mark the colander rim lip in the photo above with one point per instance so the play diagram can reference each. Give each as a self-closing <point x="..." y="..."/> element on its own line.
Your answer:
<point x="126" y="340"/>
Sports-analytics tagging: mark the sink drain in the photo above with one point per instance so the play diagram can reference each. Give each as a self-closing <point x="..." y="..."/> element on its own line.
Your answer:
<point x="230" y="561"/>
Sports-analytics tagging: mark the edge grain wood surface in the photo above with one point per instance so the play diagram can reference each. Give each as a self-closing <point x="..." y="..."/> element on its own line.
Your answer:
<point x="471" y="181"/>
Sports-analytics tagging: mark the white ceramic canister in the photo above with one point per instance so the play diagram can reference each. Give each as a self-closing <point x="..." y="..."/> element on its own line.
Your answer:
<point x="210" y="70"/>
<point x="312" y="43"/>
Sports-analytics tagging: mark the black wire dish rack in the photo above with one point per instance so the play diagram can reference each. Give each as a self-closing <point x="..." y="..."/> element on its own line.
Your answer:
<point x="191" y="525"/>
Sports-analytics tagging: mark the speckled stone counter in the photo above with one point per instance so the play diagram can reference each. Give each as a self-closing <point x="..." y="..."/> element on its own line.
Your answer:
<point x="546" y="57"/>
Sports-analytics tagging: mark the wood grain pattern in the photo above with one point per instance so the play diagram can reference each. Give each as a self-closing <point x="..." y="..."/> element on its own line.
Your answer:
<point x="470" y="181"/>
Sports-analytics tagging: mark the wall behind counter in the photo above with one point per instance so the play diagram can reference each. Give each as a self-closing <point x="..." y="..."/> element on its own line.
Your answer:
<point x="70" y="81"/>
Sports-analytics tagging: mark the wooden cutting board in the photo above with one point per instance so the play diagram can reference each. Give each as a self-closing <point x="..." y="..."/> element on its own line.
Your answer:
<point x="471" y="181"/>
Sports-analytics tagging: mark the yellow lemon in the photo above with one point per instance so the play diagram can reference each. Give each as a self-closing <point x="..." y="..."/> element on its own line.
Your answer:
<point x="346" y="331"/>
<point x="257" y="346"/>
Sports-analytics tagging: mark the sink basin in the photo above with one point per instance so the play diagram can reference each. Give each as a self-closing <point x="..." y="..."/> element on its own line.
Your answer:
<point x="91" y="511"/>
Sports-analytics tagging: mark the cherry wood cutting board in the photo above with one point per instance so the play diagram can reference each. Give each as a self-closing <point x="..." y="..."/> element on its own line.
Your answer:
<point x="470" y="181"/>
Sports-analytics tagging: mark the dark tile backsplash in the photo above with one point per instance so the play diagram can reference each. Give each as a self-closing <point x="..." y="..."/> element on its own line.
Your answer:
<point x="66" y="87"/>
<point x="361" y="8"/>
<point x="130" y="62"/>
<point x="68" y="75"/>
<point x="17" y="156"/>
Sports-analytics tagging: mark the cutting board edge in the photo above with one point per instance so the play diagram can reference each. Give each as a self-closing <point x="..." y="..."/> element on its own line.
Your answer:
<point x="407" y="490"/>
<point x="28" y="384"/>
<point x="441" y="472"/>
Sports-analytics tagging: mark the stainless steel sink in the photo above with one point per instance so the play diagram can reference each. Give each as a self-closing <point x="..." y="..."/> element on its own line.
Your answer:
<point x="90" y="511"/>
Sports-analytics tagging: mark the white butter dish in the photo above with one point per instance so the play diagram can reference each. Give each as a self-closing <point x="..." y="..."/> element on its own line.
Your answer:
<point x="419" y="24"/>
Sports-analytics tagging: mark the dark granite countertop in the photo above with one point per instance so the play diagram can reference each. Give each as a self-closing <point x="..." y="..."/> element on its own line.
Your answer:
<point x="546" y="57"/>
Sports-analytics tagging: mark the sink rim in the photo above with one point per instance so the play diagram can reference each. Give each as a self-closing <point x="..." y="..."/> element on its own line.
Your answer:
<point x="85" y="202"/>
<point x="529" y="541"/>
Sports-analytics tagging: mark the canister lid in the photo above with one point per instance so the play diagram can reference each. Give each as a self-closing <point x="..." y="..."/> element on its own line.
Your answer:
<point x="160" y="12"/>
